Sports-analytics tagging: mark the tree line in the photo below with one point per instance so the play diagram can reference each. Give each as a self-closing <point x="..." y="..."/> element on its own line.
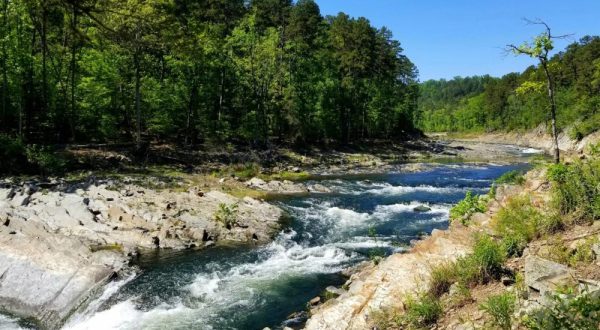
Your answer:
<point x="519" y="101"/>
<point x="195" y="71"/>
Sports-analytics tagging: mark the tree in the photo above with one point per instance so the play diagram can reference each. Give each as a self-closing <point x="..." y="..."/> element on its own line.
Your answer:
<point x="540" y="48"/>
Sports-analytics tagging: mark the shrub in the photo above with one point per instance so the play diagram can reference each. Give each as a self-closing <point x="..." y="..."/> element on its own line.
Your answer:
<point x="518" y="222"/>
<point x="46" y="160"/>
<point x="500" y="308"/>
<point x="512" y="177"/>
<point x="576" y="189"/>
<point x="568" y="311"/>
<point x="420" y="312"/>
<point x="468" y="206"/>
<point x="484" y="264"/>
<point x="12" y="154"/>
<point x="227" y="215"/>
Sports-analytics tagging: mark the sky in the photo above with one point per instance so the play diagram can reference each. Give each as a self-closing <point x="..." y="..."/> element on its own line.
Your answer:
<point x="448" y="38"/>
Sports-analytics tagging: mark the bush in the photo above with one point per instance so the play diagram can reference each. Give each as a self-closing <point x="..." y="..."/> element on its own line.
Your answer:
<point x="227" y="215"/>
<point x="420" y="312"/>
<point x="12" y="154"/>
<point x="500" y="308"/>
<point x="45" y="159"/>
<point x="484" y="264"/>
<point x="518" y="223"/>
<point x="576" y="189"/>
<point x="512" y="177"/>
<point x="568" y="311"/>
<point x="468" y="206"/>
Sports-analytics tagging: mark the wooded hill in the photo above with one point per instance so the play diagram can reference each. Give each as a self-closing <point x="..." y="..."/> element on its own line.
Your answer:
<point x="193" y="71"/>
<point x="519" y="101"/>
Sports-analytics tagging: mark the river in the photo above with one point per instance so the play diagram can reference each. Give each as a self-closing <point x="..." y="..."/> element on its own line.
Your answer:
<point x="248" y="287"/>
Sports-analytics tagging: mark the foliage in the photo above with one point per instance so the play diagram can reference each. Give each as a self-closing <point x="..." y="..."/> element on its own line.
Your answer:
<point x="500" y="307"/>
<point x="12" y="154"/>
<point x="516" y="101"/>
<point x="468" y="206"/>
<point x="518" y="223"/>
<point x="227" y="215"/>
<point x="46" y="160"/>
<point x="219" y="71"/>
<point x="511" y="177"/>
<point x="574" y="311"/>
<point x="575" y="189"/>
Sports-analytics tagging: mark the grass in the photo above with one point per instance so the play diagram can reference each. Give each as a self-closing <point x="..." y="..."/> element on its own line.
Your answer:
<point x="420" y="312"/>
<point x="483" y="265"/>
<point x="442" y="277"/>
<point x="501" y="308"/>
<point x="107" y="247"/>
<point x="519" y="222"/>
<point x="512" y="177"/>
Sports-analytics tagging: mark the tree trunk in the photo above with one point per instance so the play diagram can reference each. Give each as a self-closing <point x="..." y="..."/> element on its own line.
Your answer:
<point x="190" y="113"/>
<point x="4" y="68"/>
<point x="550" y="83"/>
<point x="44" y="42"/>
<point x="138" y="111"/>
<point x="73" y="72"/>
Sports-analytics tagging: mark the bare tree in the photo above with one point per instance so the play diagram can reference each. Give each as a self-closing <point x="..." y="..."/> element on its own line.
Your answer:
<point x="540" y="48"/>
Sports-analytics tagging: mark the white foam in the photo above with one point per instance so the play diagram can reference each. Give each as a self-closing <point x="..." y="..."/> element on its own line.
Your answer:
<point x="8" y="323"/>
<point x="532" y="151"/>
<point x="401" y="190"/>
<point x="109" y="290"/>
<point x="347" y="217"/>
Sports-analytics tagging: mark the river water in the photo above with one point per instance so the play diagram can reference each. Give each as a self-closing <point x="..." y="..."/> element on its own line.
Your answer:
<point x="248" y="287"/>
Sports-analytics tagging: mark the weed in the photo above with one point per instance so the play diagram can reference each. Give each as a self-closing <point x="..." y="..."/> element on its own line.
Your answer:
<point x="500" y="308"/>
<point x="518" y="223"/>
<point x="468" y="206"/>
<point x="420" y="312"/>
<point x="484" y="264"/>
<point x="227" y="215"/>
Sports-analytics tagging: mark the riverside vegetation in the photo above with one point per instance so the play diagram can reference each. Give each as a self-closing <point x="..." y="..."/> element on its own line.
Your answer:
<point x="525" y="223"/>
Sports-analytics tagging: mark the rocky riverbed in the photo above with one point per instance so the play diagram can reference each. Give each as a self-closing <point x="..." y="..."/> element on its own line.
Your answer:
<point x="60" y="243"/>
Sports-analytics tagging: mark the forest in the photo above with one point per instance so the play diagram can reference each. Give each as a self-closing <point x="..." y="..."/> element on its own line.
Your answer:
<point x="198" y="72"/>
<point x="518" y="101"/>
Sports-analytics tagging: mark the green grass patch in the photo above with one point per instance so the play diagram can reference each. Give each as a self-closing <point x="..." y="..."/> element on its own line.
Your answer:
<point x="513" y="177"/>
<point x="518" y="223"/>
<point x="501" y="308"/>
<point x="573" y="311"/>
<point x="420" y="312"/>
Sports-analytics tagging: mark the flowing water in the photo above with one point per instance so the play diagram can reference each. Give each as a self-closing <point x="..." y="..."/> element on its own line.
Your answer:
<point x="247" y="287"/>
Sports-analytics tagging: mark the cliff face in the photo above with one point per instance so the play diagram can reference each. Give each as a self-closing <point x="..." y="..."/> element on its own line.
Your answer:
<point x="540" y="139"/>
<point x="59" y="245"/>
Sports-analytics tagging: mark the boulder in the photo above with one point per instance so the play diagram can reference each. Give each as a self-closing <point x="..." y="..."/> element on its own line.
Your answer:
<point x="544" y="275"/>
<point x="319" y="188"/>
<point x="422" y="209"/>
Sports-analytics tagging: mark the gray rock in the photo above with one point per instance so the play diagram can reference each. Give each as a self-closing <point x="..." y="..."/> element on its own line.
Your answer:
<point x="319" y="188"/>
<point x="422" y="208"/>
<point x="335" y="291"/>
<point x="543" y="275"/>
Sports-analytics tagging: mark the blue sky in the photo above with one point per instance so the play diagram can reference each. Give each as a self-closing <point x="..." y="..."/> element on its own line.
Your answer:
<point x="447" y="38"/>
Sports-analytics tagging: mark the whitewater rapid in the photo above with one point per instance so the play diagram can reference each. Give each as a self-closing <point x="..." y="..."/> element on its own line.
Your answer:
<point x="254" y="287"/>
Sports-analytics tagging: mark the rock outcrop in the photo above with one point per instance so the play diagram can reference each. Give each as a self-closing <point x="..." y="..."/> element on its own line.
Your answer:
<point x="371" y="289"/>
<point x="59" y="245"/>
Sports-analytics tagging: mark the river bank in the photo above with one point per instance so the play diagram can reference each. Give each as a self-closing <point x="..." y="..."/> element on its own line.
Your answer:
<point x="73" y="235"/>
<point x="564" y="259"/>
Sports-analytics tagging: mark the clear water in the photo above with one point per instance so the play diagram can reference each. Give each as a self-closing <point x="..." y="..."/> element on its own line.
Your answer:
<point x="248" y="287"/>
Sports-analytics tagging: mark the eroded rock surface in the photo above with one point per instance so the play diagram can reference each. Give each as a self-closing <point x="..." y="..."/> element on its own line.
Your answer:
<point x="59" y="245"/>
